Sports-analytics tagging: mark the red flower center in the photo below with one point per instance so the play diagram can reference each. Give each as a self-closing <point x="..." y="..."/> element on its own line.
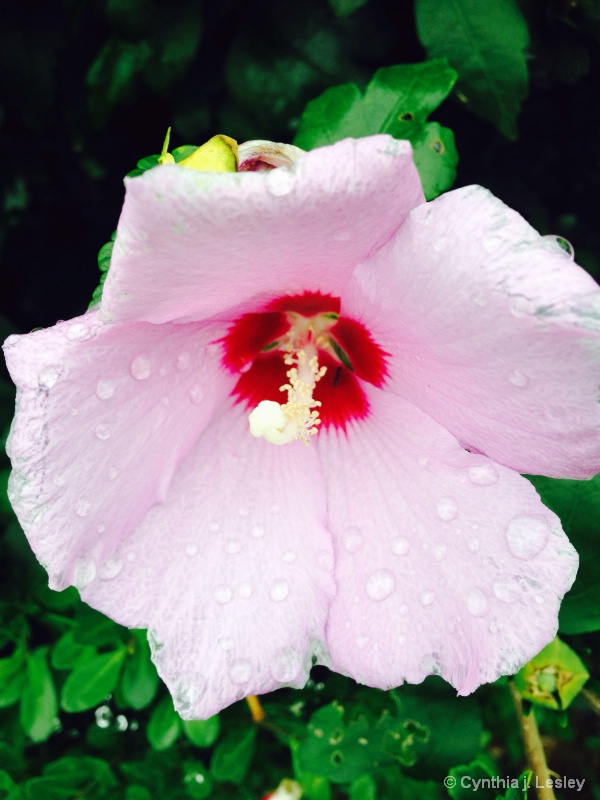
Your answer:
<point x="259" y="346"/>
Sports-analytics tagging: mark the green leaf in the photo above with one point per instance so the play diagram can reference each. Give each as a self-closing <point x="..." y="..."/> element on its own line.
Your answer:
<point x="233" y="754"/>
<point x="39" y="706"/>
<point x="343" y="8"/>
<point x="139" y="681"/>
<point x="363" y="788"/>
<point x="164" y="725"/>
<point x="462" y="781"/>
<point x="90" y="682"/>
<point x="486" y="44"/>
<point x="397" y="101"/>
<point x="197" y="780"/>
<point x="66" y="653"/>
<point x="9" y="790"/>
<point x="94" y="628"/>
<point x="577" y="503"/>
<point x="314" y="787"/>
<point x="111" y="77"/>
<point x="12" y="676"/>
<point x="72" y="778"/>
<point x="202" y="732"/>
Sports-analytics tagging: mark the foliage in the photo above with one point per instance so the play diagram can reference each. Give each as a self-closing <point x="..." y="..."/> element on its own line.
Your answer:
<point x="87" y="88"/>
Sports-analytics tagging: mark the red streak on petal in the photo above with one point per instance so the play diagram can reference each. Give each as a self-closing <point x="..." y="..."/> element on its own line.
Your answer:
<point x="367" y="358"/>
<point x="249" y="334"/>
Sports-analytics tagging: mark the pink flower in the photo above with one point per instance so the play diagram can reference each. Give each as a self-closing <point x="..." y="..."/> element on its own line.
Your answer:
<point x="401" y="541"/>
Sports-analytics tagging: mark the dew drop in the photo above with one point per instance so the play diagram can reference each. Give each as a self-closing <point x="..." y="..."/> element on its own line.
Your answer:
<point x="423" y="461"/>
<point x="483" y="474"/>
<point x="508" y="589"/>
<point x="427" y="598"/>
<point x="59" y="480"/>
<point x="280" y="181"/>
<point x="286" y="665"/>
<point x="380" y="585"/>
<point x="439" y="552"/>
<point x="491" y="244"/>
<point x="403" y="609"/>
<point x="240" y="671"/>
<point x="243" y="511"/>
<point x="245" y="589"/>
<point x="213" y="527"/>
<point x="401" y="639"/>
<point x="352" y="540"/>
<point x="527" y="535"/>
<point x="48" y="377"/>
<point x="79" y="332"/>
<point x="342" y="236"/>
<point x="101" y="527"/>
<point x="183" y="360"/>
<point x="480" y="299"/>
<point x="84" y="573"/>
<point x="225" y="643"/>
<point x="222" y="594"/>
<point x="289" y="556"/>
<point x="560" y="243"/>
<point x="110" y="568"/>
<point x="141" y="367"/>
<point x="400" y="546"/>
<point x="279" y="591"/>
<point x="257" y="531"/>
<point x="518" y="378"/>
<point x="493" y="627"/>
<point x="362" y="642"/>
<point x="131" y="556"/>
<point x="191" y="550"/>
<point x="447" y="509"/>
<point x="473" y="545"/>
<point x="212" y="349"/>
<point x="105" y="389"/>
<point x="196" y="394"/>
<point x="439" y="244"/>
<point x="83" y="508"/>
<point x="539" y="599"/>
<point x="102" y="432"/>
<point x="112" y="473"/>
<point x="477" y="603"/>
<point x="232" y="547"/>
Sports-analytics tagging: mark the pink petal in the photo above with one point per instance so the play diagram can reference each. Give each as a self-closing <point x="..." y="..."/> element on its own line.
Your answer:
<point x="493" y="333"/>
<point x="445" y="562"/>
<point x="192" y="244"/>
<point x="232" y="573"/>
<point x="105" y="414"/>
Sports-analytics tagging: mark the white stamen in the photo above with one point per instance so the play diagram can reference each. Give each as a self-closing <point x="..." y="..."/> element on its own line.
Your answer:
<point x="298" y="418"/>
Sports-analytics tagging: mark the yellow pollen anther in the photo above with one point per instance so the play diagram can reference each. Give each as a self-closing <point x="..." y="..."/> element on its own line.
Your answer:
<point x="299" y="417"/>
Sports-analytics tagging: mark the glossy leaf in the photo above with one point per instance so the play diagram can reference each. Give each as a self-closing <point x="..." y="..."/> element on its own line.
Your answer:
<point x="139" y="681"/>
<point x="74" y="777"/>
<point x="397" y="101"/>
<point x="164" y="726"/>
<point x="39" y="705"/>
<point x="90" y="682"/>
<point x="232" y="756"/>
<point x="486" y="44"/>
<point x="202" y="733"/>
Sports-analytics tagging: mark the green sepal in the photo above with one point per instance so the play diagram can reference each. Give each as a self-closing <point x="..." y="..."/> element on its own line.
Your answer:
<point x="553" y="678"/>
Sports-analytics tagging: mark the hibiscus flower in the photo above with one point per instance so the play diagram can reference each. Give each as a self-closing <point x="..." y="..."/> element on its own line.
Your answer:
<point x="371" y="515"/>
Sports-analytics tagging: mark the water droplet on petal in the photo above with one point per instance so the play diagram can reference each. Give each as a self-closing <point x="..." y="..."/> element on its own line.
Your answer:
<point x="85" y="572"/>
<point x="508" y="589"/>
<point x="101" y="527"/>
<point x="257" y="531"/>
<point x="213" y="527"/>
<point x="79" y="332"/>
<point x="493" y="626"/>
<point x="83" y="508"/>
<point x="112" y="473"/>
<point x="539" y="599"/>
<point x="362" y="642"/>
<point x="447" y="509"/>
<point x="183" y="360"/>
<point x="105" y="389"/>
<point x="212" y="349"/>
<point x="352" y="540"/>
<point x="403" y="609"/>
<point x="59" y="480"/>
<point x="240" y="671"/>
<point x="102" y="432"/>
<point x="196" y="394"/>
<point x="222" y="594"/>
<point x="427" y="598"/>
<point x="439" y="552"/>
<point x="401" y="639"/>
<point x="473" y="545"/>
<point x="400" y="546"/>
<point x="141" y="367"/>
<point x="491" y="244"/>
<point x="380" y="584"/>
<point x="279" y="591"/>
<point x="131" y="556"/>
<point x="244" y="589"/>
<point x="48" y="377"/>
<point x="286" y="665"/>
<point x="289" y="556"/>
<point x="280" y="181"/>
<point x="477" y="603"/>
<point x="440" y="243"/>
<point x="243" y="511"/>
<point x="560" y="243"/>
<point x="225" y="643"/>
<point x="191" y="550"/>
<point x="110" y="568"/>
<point x="483" y="474"/>
<point x="518" y="378"/>
<point x="232" y="547"/>
<point x="480" y="299"/>
<point x="527" y="535"/>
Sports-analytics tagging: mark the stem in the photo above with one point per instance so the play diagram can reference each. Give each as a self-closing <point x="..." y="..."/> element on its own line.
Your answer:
<point x="534" y="748"/>
<point x="257" y="711"/>
<point x="592" y="699"/>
